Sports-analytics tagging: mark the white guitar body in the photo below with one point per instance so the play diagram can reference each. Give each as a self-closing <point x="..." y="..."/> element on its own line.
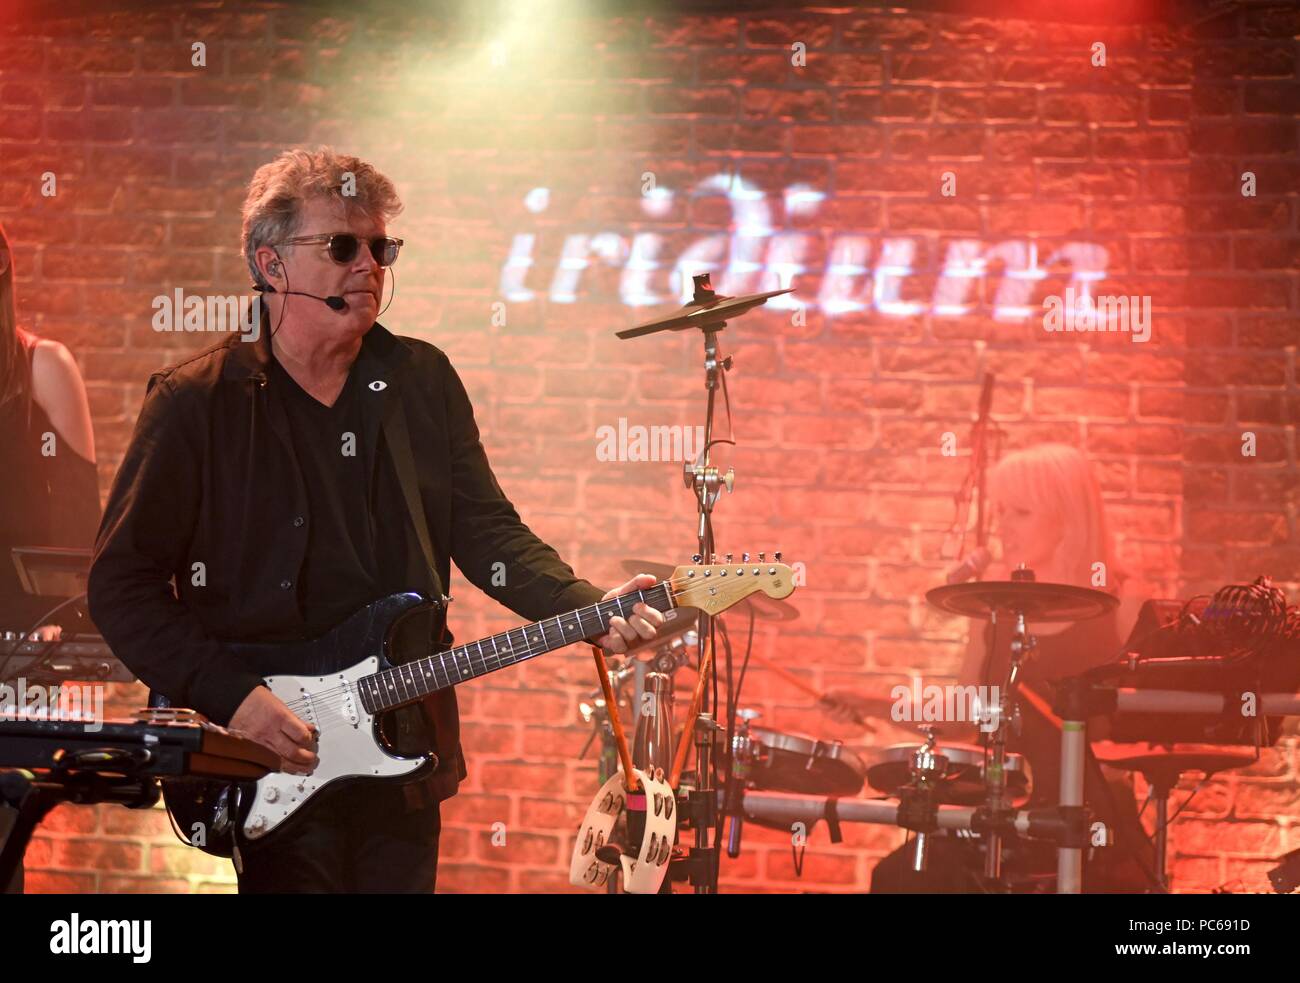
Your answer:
<point x="348" y="748"/>
<point x="346" y="701"/>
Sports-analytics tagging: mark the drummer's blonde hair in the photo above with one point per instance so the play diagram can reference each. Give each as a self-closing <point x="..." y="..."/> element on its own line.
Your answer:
<point x="1058" y="479"/>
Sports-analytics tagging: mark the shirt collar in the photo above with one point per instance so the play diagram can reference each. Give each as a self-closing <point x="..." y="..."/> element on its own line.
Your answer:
<point x="380" y="354"/>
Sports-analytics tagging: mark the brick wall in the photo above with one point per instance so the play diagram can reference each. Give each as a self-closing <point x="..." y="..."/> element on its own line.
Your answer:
<point x="1131" y="171"/>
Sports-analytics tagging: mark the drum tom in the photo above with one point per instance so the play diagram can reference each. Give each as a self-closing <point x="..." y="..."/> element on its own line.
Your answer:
<point x="792" y="763"/>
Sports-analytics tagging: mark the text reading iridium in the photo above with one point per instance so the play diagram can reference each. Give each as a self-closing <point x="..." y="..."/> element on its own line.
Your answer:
<point x="860" y="272"/>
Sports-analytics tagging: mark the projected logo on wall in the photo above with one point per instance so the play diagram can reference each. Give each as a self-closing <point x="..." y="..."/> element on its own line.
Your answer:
<point x="861" y="272"/>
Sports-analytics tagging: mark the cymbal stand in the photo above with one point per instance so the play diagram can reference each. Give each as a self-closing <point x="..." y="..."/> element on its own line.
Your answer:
<point x="707" y="482"/>
<point x="995" y="776"/>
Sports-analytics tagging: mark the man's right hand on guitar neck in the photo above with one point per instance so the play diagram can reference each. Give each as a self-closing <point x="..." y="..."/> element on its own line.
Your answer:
<point x="264" y="718"/>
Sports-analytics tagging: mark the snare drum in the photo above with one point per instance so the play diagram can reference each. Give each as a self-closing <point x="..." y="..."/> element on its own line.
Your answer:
<point x="963" y="782"/>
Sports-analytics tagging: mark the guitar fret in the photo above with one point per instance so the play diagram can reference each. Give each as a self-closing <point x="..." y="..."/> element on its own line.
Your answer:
<point x="390" y="688"/>
<point x="440" y="670"/>
<point x="426" y="676"/>
<point x="438" y="663"/>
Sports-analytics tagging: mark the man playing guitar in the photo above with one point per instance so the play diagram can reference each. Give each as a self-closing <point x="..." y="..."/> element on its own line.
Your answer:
<point x="261" y="477"/>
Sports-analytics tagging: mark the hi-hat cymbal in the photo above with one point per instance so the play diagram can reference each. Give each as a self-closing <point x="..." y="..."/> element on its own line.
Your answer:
<point x="713" y="311"/>
<point x="1038" y="601"/>
<point x="764" y="607"/>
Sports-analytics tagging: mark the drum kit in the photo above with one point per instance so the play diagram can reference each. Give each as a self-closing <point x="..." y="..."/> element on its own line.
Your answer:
<point x="756" y="761"/>
<point x="782" y="778"/>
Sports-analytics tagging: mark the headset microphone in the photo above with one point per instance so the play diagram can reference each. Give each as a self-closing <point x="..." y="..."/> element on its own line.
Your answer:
<point x="334" y="303"/>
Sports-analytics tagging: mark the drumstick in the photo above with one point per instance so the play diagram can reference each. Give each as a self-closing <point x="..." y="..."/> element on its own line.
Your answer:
<point x="630" y="781"/>
<point x="1039" y="704"/>
<point x="799" y="684"/>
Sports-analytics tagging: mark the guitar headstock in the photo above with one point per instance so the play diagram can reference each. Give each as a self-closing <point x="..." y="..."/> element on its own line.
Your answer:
<point x="714" y="587"/>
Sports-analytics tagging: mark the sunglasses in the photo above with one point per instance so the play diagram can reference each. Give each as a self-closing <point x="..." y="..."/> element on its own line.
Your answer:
<point x="343" y="246"/>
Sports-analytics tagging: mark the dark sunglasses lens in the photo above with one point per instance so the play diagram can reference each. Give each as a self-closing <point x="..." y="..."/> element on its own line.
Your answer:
<point x="343" y="248"/>
<point x="384" y="251"/>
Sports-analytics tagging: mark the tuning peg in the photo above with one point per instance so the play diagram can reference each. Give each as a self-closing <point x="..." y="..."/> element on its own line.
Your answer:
<point x="762" y="556"/>
<point x="728" y="557"/>
<point x="696" y="558"/>
<point x="776" y="557"/>
<point x="713" y="558"/>
<point x="744" y="557"/>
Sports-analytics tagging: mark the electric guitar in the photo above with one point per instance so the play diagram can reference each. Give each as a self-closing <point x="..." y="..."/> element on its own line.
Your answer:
<point x="349" y="679"/>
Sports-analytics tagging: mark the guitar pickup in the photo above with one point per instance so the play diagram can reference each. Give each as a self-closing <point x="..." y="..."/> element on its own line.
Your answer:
<point x="347" y="706"/>
<point x="308" y="708"/>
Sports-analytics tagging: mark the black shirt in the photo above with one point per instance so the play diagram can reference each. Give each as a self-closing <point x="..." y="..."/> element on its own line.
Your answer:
<point x="337" y="576"/>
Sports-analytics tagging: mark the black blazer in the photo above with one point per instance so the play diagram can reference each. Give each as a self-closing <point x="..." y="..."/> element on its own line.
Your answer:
<point x="209" y="493"/>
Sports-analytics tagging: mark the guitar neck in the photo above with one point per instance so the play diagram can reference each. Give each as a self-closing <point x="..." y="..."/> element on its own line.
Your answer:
<point x="415" y="680"/>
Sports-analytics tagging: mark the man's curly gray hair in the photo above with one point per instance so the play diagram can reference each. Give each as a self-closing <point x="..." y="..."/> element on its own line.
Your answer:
<point x="273" y="208"/>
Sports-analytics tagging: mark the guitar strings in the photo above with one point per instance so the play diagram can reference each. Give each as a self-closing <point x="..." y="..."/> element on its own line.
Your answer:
<point x="331" y="700"/>
<point x="321" y="703"/>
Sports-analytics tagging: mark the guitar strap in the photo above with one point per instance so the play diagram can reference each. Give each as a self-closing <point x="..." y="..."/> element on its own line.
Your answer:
<point x="415" y="729"/>
<point x="399" y="446"/>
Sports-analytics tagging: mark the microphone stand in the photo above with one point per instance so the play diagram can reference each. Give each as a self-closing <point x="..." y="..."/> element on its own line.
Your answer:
<point x="707" y="483"/>
<point x="708" y="312"/>
<point x="975" y="482"/>
<point x="981" y="462"/>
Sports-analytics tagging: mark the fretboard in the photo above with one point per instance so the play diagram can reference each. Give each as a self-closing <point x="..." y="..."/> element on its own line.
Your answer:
<point x="415" y="680"/>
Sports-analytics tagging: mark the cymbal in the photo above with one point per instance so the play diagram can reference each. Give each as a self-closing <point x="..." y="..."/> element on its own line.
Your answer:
<point x="1165" y="764"/>
<point x="660" y="571"/>
<point x="1038" y="601"/>
<point x="764" y="607"/>
<point x="710" y="312"/>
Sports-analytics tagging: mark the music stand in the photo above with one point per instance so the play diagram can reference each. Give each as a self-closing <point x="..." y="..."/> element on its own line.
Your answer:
<point x="52" y="571"/>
